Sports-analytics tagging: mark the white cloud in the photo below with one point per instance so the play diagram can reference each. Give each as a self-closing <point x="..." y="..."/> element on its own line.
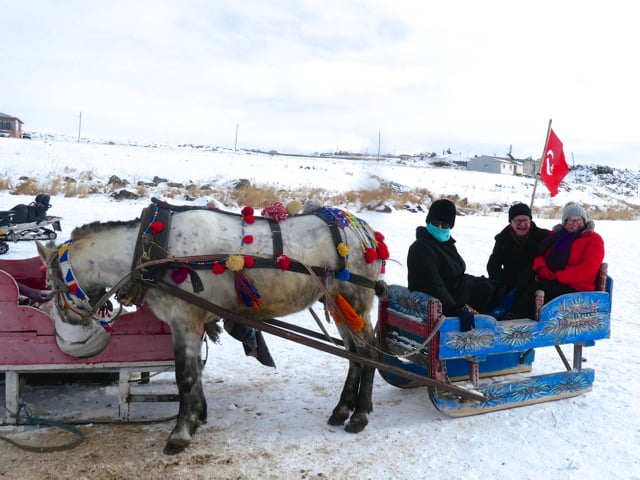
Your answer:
<point x="306" y="76"/>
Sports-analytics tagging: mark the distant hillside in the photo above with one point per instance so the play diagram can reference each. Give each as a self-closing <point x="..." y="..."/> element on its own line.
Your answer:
<point x="59" y="164"/>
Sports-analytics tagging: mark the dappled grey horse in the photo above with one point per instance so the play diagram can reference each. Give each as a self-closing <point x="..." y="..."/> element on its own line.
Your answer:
<point x="252" y="266"/>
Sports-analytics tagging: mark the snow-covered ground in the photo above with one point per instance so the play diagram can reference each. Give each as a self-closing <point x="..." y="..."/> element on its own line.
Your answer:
<point x="266" y="423"/>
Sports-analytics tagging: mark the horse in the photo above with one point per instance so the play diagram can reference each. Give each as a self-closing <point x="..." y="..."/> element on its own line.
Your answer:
<point x="253" y="266"/>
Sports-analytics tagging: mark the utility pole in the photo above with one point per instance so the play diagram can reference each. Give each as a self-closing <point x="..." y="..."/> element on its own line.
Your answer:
<point x="235" y="145"/>
<point x="79" y="126"/>
<point x="378" y="146"/>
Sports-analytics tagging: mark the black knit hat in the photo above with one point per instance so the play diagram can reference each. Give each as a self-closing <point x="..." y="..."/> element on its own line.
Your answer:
<point x="443" y="210"/>
<point x="519" y="209"/>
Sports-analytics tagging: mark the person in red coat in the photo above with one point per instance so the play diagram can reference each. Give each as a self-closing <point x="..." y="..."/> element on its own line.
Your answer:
<point x="568" y="261"/>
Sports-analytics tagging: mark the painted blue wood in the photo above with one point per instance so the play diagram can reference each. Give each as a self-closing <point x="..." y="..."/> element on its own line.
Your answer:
<point x="577" y="318"/>
<point x="572" y="318"/>
<point x="502" y="395"/>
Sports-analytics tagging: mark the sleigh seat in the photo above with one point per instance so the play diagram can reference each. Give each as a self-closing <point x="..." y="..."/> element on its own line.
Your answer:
<point x="414" y="335"/>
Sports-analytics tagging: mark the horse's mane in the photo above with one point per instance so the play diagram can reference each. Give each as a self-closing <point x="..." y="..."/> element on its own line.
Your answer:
<point x="99" y="227"/>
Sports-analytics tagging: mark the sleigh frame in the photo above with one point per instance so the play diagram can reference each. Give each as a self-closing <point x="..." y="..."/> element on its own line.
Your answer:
<point x="140" y="344"/>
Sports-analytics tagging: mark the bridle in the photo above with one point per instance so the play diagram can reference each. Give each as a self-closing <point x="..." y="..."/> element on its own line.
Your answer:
<point x="69" y="296"/>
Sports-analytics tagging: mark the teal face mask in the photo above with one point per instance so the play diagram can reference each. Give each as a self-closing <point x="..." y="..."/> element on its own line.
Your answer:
<point x="440" y="234"/>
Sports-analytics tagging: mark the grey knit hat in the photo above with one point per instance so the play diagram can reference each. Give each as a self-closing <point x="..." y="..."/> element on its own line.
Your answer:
<point x="573" y="210"/>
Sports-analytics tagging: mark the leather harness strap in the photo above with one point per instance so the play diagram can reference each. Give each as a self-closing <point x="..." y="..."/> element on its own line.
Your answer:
<point x="151" y="245"/>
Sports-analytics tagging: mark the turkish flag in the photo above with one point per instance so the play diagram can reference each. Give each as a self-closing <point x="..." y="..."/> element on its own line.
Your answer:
<point x="554" y="166"/>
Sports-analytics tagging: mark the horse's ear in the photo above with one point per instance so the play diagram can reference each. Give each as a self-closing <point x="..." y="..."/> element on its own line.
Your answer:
<point x="44" y="252"/>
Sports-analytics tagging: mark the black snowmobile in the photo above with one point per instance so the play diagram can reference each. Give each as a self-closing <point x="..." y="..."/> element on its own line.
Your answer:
<point x="28" y="222"/>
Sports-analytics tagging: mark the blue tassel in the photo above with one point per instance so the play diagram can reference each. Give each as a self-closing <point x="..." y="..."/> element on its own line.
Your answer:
<point x="246" y="291"/>
<point x="343" y="275"/>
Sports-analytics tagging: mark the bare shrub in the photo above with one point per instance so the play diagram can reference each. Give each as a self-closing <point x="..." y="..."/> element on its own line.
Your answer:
<point x="142" y="190"/>
<point x="256" y="196"/>
<point x="28" y="187"/>
<point x="5" y="183"/>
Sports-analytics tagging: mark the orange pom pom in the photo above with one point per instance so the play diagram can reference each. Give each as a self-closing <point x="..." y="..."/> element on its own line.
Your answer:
<point x="354" y="320"/>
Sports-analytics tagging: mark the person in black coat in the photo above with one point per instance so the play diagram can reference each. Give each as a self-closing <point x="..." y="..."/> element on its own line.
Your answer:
<point x="436" y="268"/>
<point x="515" y="248"/>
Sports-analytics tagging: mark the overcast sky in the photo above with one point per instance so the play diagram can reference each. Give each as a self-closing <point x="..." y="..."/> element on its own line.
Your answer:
<point x="476" y="77"/>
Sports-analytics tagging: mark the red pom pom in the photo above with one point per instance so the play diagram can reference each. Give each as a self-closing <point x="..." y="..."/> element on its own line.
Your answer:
<point x="180" y="275"/>
<point x="218" y="268"/>
<point x="383" y="251"/>
<point x="283" y="262"/>
<point x="156" y="227"/>
<point x="275" y="211"/>
<point x="249" y="261"/>
<point x="249" y="219"/>
<point x="247" y="210"/>
<point x="378" y="236"/>
<point x="247" y="239"/>
<point x="370" y="255"/>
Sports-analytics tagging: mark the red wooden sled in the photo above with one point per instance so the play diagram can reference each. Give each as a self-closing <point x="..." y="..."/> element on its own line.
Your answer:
<point x="140" y="342"/>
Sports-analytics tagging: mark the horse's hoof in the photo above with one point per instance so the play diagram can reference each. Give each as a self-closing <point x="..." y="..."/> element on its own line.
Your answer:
<point x="338" y="416"/>
<point x="356" y="425"/>
<point x="174" y="447"/>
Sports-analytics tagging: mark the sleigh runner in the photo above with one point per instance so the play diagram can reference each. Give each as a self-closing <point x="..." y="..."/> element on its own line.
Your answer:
<point x="493" y="358"/>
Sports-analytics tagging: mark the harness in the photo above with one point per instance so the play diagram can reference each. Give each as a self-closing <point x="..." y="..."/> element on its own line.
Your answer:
<point x="150" y="260"/>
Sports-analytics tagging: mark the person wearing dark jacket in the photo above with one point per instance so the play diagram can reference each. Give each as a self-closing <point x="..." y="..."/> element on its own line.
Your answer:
<point x="436" y="268"/>
<point x="515" y="248"/>
<point x="568" y="261"/>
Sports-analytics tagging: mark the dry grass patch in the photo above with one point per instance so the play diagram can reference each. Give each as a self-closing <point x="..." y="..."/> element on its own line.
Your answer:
<point x="5" y="183"/>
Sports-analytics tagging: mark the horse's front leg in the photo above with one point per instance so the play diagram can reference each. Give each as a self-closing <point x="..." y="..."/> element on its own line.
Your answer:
<point x="193" y="406"/>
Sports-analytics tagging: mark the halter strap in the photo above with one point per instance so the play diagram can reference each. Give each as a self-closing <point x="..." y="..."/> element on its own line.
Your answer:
<point x="75" y="298"/>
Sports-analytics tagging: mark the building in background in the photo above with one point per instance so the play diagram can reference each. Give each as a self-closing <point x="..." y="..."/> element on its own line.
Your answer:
<point x="10" y="126"/>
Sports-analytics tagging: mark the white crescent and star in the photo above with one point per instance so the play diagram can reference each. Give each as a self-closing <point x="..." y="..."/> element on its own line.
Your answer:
<point x="548" y="159"/>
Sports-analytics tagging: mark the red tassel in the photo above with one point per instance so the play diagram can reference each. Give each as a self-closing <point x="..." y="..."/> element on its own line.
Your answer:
<point x="370" y="255"/>
<point x="283" y="262"/>
<point x="248" y="210"/>
<point x="249" y="219"/>
<point x="218" y="268"/>
<point x="156" y="227"/>
<point x="180" y="275"/>
<point x="383" y="251"/>
<point x="249" y="261"/>
<point x="247" y="239"/>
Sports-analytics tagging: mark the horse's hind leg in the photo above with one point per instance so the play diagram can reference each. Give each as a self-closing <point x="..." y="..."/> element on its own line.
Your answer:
<point x="348" y="397"/>
<point x="358" y="388"/>
<point x="193" y="406"/>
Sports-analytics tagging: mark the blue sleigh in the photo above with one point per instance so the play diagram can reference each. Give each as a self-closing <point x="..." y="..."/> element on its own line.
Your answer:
<point x="495" y="358"/>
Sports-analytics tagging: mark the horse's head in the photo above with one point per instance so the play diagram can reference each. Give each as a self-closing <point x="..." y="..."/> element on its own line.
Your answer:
<point x="72" y="303"/>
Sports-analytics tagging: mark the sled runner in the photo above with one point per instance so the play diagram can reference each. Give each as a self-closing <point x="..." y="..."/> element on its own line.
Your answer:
<point x="493" y="358"/>
<point x="28" y="222"/>
<point x="139" y="343"/>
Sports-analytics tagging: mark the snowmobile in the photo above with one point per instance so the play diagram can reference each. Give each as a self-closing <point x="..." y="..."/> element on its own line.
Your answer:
<point x="28" y="222"/>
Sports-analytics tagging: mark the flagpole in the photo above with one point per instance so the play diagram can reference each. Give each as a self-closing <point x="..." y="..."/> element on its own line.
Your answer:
<point x="544" y="151"/>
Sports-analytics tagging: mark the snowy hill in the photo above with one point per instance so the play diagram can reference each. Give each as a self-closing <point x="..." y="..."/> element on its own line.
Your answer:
<point x="50" y="162"/>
